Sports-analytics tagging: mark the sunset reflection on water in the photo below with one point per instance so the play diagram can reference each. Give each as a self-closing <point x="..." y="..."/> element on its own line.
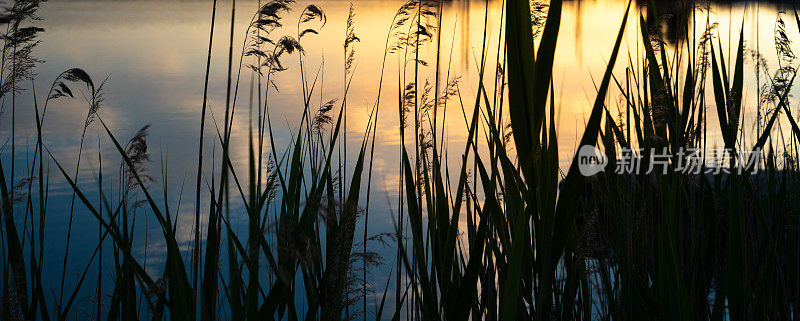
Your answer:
<point x="154" y="54"/>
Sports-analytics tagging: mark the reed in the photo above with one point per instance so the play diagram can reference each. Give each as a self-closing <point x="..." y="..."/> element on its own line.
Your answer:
<point x="506" y="234"/>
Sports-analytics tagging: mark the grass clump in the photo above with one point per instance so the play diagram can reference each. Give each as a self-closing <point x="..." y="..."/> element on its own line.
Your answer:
<point x="506" y="234"/>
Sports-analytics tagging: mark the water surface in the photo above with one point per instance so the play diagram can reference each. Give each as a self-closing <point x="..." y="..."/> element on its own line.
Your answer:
<point x="153" y="55"/>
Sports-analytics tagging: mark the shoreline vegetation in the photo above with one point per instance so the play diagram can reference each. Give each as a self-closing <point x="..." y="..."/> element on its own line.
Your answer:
<point x="508" y="234"/>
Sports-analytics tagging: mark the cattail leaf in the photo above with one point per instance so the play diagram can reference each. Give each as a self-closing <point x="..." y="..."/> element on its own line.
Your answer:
<point x="180" y="291"/>
<point x="768" y="128"/>
<point x="110" y="225"/>
<point x="415" y="220"/>
<point x="16" y="259"/>
<point x="720" y="95"/>
<point x="737" y="91"/>
<point x="573" y="183"/>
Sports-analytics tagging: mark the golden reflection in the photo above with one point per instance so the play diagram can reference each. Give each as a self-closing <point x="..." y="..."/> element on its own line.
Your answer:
<point x="155" y="57"/>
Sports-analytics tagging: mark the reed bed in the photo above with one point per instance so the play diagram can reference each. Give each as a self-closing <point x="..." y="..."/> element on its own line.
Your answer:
<point x="507" y="234"/>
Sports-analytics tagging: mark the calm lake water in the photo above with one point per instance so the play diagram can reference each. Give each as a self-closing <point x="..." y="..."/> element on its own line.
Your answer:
<point x="154" y="54"/>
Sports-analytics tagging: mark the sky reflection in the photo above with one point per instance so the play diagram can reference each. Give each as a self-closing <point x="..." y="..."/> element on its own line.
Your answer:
<point x="153" y="53"/>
